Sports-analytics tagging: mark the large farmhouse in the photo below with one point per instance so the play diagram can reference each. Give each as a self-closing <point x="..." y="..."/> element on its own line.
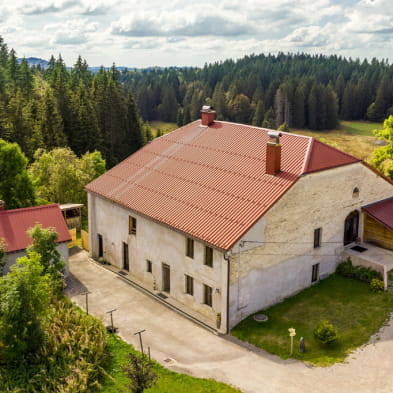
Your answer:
<point x="225" y="219"/>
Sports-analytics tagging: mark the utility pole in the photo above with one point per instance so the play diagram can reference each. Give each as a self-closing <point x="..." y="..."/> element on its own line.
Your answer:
<point x="87" y="300"/>
<point x="111" y="313"/>
<point x="140" y="339"/>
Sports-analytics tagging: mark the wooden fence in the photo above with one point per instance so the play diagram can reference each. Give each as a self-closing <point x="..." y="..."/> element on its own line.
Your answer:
<point x="85" y="239"/>
<point x="73" y="237"/>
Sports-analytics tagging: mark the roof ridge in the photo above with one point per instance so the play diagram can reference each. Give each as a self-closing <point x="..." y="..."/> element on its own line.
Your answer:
<point x="23" y="209"/>
<point x="308" y="155"/>
<point x="263" y="128"/>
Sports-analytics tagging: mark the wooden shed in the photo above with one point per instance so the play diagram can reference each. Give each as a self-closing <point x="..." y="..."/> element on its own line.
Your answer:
<point x="378" y="223"/>
<point x="72" y="215"/>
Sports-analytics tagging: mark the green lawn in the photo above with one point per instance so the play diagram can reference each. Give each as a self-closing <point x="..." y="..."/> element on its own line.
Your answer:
<point x="353" y="137"/>
<point x="353" y="309"/>
<point x="165" y="127"/>
<point x="168" y="382"/>
<point x="360" y="127"/>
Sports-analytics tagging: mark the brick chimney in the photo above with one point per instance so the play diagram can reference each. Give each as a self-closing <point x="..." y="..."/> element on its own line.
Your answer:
<point x="273" y="153"/>
<point x="2" y="205"/>
<point x="207" y="115"/>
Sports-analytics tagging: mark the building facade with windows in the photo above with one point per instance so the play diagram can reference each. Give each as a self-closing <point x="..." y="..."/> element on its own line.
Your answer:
<point x="227" y="219"/>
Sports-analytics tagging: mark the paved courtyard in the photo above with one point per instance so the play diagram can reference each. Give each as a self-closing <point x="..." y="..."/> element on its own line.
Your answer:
<point x="200" y="353"/>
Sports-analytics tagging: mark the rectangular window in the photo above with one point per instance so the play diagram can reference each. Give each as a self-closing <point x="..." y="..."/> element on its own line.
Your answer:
<point x="149" y="267"/>
<point x="317" y="237"/>
<point x="189" y="285"/>
<point x="190" y="247"/>
<point x="131" y="225"/>
<point x="315" y="273"/>
<point x="208" y="256"/>
<point x="208" y="295"/>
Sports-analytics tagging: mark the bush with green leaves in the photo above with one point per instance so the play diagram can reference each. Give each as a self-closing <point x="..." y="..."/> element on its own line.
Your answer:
<point x="377" y="285"/>
<point x="3" y="249"/>
<point x="361" y="273"/>
<point x="24" y="298"/>
<point x="326" y="333"/>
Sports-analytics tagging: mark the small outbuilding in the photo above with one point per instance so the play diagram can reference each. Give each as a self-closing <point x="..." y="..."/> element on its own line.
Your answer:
<point x="378" y="223"/>
<point x="72" y="215"/>
<point x="15" y="223"/>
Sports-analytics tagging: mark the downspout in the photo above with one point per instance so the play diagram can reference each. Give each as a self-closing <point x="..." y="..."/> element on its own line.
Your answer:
<point x="227" y="258"/>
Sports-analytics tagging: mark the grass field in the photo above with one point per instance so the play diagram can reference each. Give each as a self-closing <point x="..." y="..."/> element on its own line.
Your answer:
<point x="353" y="137"/>
<point x="168" y="382"/>
<point x="348" y="304"/>
<point x="165" y="127"/>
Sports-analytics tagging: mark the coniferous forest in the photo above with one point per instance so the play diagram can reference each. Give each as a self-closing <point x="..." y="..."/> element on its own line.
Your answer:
<point x="300" y="90"/>
<point x="57" y="107"/>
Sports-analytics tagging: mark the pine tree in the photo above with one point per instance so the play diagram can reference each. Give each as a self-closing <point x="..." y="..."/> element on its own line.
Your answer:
<point x="259" y="114"/>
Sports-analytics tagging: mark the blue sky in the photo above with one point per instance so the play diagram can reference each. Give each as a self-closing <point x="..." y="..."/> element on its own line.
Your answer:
<point x="190" y="33"/>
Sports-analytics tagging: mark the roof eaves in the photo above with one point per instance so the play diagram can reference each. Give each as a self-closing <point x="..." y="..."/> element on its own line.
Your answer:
<point x="377" y="172"/>
<point x="376" y="203"/>
<point x="330" y="167"/>
<point x="377" y="219"/>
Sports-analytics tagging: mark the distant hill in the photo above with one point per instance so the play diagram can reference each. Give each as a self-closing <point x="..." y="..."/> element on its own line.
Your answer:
<point x="34" y="61"/>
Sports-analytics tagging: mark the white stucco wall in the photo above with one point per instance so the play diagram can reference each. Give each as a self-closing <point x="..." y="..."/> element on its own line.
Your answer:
<point x="13" y="256"/>
<point x="282" y="264"/>
<point x="159" y="244"/>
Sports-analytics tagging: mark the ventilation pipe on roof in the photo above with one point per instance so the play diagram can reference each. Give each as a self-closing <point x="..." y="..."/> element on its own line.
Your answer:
<point x="2" y="205"/>
<point x="207" y="115"/>
<point x="273" y="153"/>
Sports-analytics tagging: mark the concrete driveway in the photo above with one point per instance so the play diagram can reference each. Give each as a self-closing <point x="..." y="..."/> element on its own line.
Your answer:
<point x="195" y="351"/>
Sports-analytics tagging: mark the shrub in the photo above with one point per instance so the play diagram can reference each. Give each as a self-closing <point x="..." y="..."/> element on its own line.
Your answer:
<point x="345" y="268"/>
<point x="377" y="285"/>
<point x="325" y="333"/>
<point x="360" y="273"/>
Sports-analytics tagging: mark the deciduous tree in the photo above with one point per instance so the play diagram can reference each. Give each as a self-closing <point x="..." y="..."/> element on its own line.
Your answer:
<point x="16" y="187"/>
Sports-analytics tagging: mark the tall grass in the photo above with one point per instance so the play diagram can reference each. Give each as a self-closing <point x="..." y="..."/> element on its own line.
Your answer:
<point x="71" y="359"/>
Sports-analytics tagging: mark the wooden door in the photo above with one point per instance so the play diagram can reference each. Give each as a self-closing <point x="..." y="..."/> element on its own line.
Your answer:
<point x="100" y="247"/>
<point x="166" y="278"/>
<point x="126" y="261"/>
<point x="351" y="228"/>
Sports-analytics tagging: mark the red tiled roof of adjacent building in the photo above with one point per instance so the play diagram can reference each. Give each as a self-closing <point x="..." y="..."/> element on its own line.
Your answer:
<point x="14" y="224"/>
<point x="211" y="182"/>
<point x="382" y="211"/>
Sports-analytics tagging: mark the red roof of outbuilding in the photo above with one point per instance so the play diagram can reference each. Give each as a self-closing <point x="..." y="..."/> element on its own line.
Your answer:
<point x="14" y="224"/>
<point x="381" y="211"/>
<point x="210" y="182"/>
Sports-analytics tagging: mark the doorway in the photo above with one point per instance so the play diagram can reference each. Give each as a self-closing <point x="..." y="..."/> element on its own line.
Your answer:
<point x="166" y="277"/>
<point x="351" y="227"/>
<point x="126" y="261"/>
<point x="100" y="246"/>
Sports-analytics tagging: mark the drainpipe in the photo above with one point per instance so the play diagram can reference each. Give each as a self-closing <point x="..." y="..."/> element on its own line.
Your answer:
<point x="227" y="258"/>
<point x="241" y="245"/>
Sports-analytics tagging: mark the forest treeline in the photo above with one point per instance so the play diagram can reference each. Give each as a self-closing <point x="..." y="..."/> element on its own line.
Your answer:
<point x="304" y="91"/>
<point x="55" y="107"/>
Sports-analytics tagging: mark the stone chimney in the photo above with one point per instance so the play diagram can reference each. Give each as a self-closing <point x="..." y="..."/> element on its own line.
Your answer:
<point x="273" y="153"/>
<point x="207" y="115"/>
<point x="2" y="205"/>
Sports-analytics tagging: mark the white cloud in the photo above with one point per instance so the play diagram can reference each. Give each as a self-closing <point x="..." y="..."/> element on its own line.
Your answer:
<point x="185" y="32"/>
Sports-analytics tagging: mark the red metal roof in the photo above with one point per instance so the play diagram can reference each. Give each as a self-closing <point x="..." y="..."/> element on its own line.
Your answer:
<point x="210" y="182"/>
<point x="14" y="224"/>
<point x="381" y="211"/>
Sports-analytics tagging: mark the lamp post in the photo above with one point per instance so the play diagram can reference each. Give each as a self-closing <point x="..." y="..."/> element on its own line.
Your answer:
<point x="292" y="334"/>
